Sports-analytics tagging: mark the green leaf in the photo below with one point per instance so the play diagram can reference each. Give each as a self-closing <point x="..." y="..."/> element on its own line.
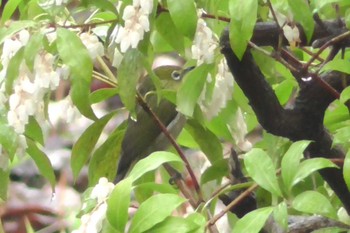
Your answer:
<point x="203" y="136"/>
<point x="174" y="225"/>
<point x="32" y="48"/>
<point x="150" y="212"/>
<point x="151" y="187"/>
<point x="74" y="54"/>
<point x="152" y="162"/>
<point x="34" y="131"/>
<point x="338" y="65"/>
<point x="280" y="214"/>
<point x="191" y="88"/>
<point x="103" y="161"/>
<point x="118" y="204"/>
<point x="86" y="143"/>
<point x="219" y="169"/>
<point x="102" y="94"/>
<point x="345" y="95"/>
<point x="130" y="70"/>
<point x="309" y="166"/>
<point x="260" y="167"/>
<point x="12" y="71"/>
<point x="346" y="169"/>
<point x="42" y="162"/>
<point x="243" y="18"/>
<point x="184" y="15"/>
<point x="253" y="221"/>
<point x="303" y="15"/>
<point x="4" y="183"/>
<point x="8" y="136"/>
<point x="314" y="203"/>
<point x="9" y="9"/>
<point x="172" y="37"/>
<point x="290" y="162"/>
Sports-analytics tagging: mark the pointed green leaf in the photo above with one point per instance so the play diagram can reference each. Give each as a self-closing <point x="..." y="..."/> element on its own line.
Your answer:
<point x="150" y="212"/>
<point x="103" y="161"/>
<point x="129" y="73"/>
<point x="280" y="214"/>
<point x="174" y="225"/>
<point x="191" y="88"/>
<point x="34" y="131"/>
<point x="13" y="69"/>
<point x="346" y="169"/>
<point x="86" y="143"/>
<point x="260" y="167"/>
<point x="338" y="65"/>
<point x="152" y="162"/>
<point x="172" y="37"/>
<point x="42" y="162"/>
<point x="74" y="54"/>
<point x="184" y="15"/>
<point x="118" y="204"/>
<point x="219" y="169"/>
<point x="314" y="203"/>
<point x="243" y="18"/>
<point x="290" y="162"/>
<point x="253" y="221"/>
<point x="4" y="183"/>
<point x="212" y="150"/>
<point x="8" y="136"/>
<point x="309" y="166"/>
<point x="9" y="9"/>
<point x="32" y="48"/>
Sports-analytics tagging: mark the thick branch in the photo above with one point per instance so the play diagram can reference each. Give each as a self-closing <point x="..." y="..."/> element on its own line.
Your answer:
<point x="305" y="120"/>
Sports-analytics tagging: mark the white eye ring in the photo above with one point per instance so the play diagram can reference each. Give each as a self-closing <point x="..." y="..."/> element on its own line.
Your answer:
<point x="176" y="75"/>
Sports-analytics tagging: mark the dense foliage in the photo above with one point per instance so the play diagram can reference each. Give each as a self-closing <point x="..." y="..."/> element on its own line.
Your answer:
<point x="45" y="44"/>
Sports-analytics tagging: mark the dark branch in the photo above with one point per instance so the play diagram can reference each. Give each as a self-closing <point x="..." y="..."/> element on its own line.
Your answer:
<point x="305" y="120"/>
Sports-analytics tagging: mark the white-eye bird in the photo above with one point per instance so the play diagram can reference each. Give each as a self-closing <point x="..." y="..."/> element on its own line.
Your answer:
<point x="143" y="136"/>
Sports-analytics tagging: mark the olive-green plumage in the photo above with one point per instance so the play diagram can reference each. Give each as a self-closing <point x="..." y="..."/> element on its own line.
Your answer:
<point x="144" y="136"/>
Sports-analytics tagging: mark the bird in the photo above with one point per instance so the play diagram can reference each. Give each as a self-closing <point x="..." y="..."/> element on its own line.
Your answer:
<point x="143" y="136"/>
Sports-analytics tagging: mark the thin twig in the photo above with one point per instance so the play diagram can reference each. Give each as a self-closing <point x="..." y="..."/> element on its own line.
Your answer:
<point x="232" y="204"/>
<point x="171" y="139"/>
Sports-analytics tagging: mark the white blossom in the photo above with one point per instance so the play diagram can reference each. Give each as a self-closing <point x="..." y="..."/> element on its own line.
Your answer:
<point x="69" y="111"/>
<point x="222" y="93"/>
<point x="102" y="190"/>
<point x="292" y="34"/>
<point x="238" y="129"/>
<point x="136" y="23"/>
<point x="204" y="43"/>
<point x="92" y="222"/>
<point x="93" y="45"/>
<point x="46" y="4"/>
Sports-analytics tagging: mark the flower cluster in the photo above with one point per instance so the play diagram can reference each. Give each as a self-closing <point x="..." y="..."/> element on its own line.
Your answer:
<point x="136" y="23"/>
<point x="204" y="44"/>
<point x="222" y="92"/>
<point x="92" y="222"/>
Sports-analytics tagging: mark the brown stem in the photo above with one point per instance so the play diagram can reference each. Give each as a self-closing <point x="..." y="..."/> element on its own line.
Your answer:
<point x="147" y="109"/>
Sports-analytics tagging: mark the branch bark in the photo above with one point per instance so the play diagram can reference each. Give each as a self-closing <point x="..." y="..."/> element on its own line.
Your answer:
<point x="305" y="120"/>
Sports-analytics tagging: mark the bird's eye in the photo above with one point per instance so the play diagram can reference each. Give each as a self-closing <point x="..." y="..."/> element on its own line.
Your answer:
<point x="176" y="75"/>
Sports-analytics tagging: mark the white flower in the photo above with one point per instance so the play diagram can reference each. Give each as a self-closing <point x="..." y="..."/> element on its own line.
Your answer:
<point x="238" y="129"/>
<point x="93" y="45"/>
<point x="69" y="112"/>
<point x="204" y="44"/>
<point x="292" y="34"/>
<point x="222" y="93"/>
<point x="102" y="190"/>
<point x="136" y="23"/>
